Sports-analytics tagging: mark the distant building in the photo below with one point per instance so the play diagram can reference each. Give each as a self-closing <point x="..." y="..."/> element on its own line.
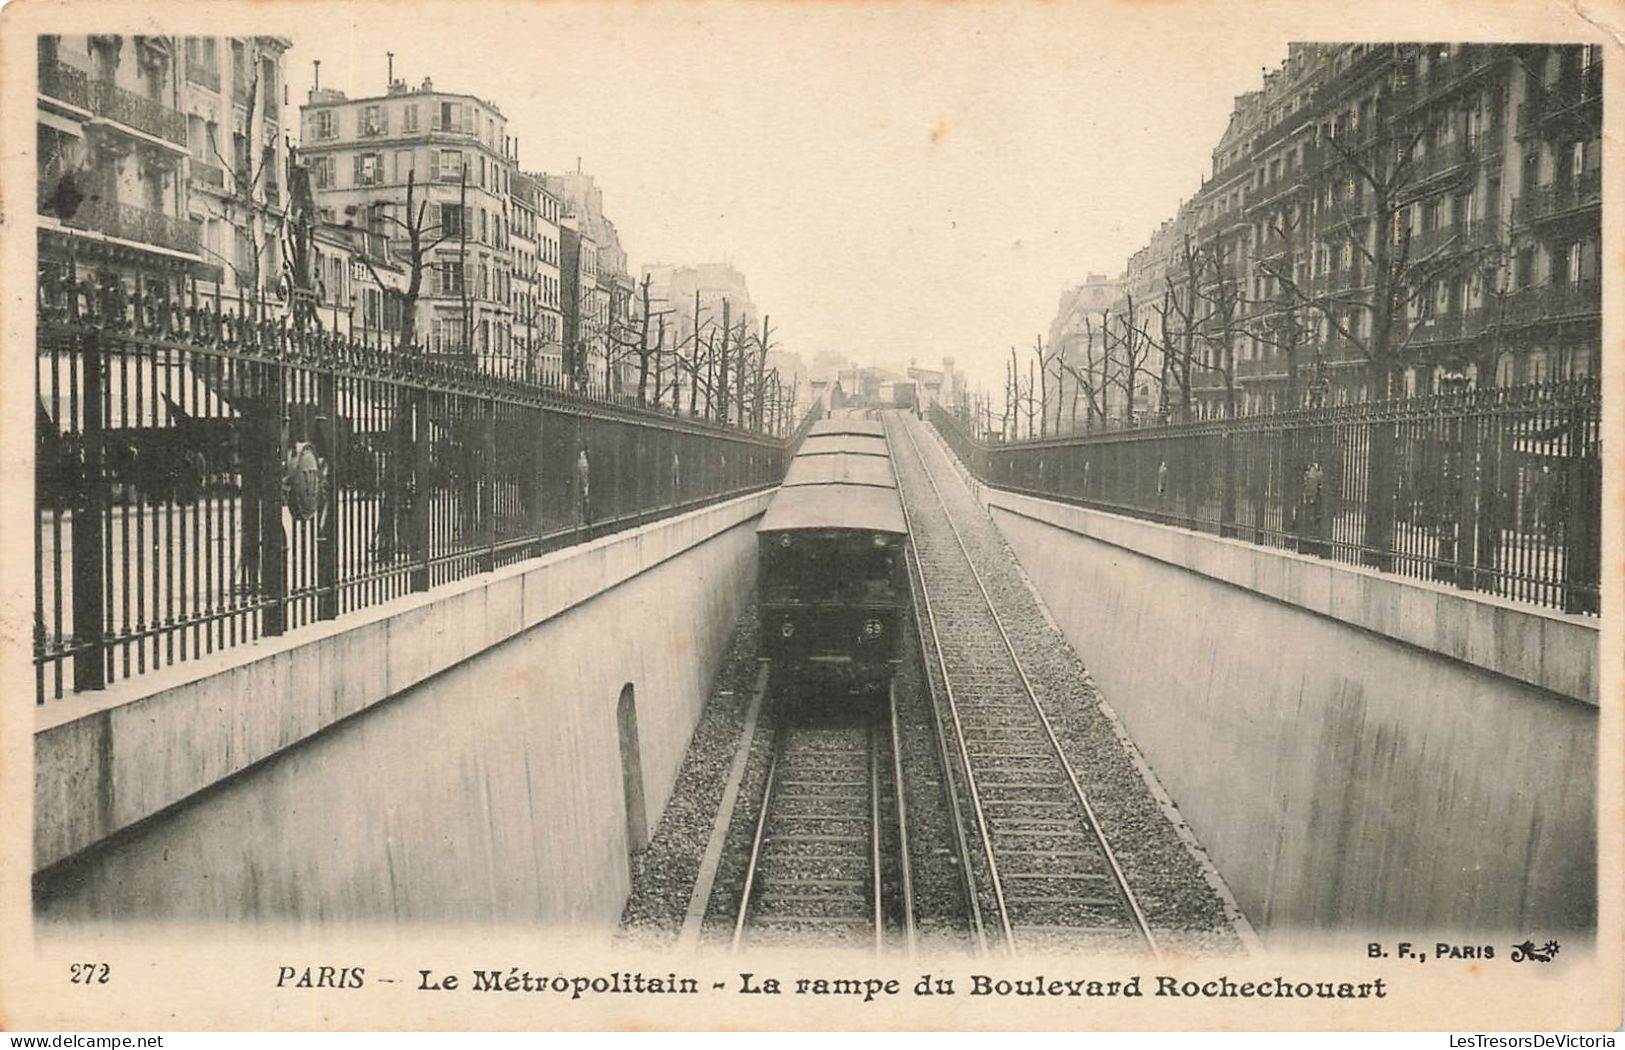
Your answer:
<point x="607" y="321"/>
<point x="1082" y="395"/>
<point x="455" y="150"/>
<point x="160" y="162"/>
<point x="1491" y="161"/>
<point x="675" y="288"/>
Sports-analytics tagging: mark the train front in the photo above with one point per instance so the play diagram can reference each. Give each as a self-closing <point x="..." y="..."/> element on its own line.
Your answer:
<point x="832" y="581"/>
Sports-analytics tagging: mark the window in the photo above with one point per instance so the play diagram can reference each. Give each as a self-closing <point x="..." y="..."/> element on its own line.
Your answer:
<point x="374" y="121"/>
<point x="1577" y="160"/>
<point x="409" y="118"/>
<point x="449" y="279"/>
<point x="449" y="165"/>
<point x="321" y="173"/>
<point x="325" y="125"/>
<point x="403" y="164"/>
<point x="452" y="117"/>
<point x="369" y="169"/>
<point x="1574" y="263"/>
<point x="451" y="220"/>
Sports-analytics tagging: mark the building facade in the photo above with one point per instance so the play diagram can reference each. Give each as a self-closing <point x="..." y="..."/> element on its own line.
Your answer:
<point x="452" y="153"/>
<point x="1460" y="184"/>
<point x="160" y="163"/>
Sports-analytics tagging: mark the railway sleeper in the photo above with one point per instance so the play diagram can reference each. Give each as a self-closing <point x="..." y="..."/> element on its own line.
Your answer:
<point x="818" y="786"/>
<point x="1017" y="822"/>
<point x="851" y="868"/>
<point x="795" y="839"/>
<point x="811" y="903"/>
<point x="819" y="806"/>
<point x="1095" y="904"/>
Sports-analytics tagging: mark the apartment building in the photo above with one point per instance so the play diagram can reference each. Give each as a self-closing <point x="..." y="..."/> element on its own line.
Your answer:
<point x="1460" y="182"/>
<point x="537" y="315"/>
<point x="160" y="161"/>
<point x="451" y="153"/>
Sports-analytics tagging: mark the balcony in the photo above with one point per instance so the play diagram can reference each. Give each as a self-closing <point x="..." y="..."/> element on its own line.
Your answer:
<point x="113" y="103"/>
<point x="1451" y="240"/>
<point x="1441" y="160"/>
<point x="1447" y="327"/>
<point x="208" y="176"/>
<point x="1447" y="76"/>
<point x="1558" y="199"/>
<point x="64" y="82"/>
<point x="116" y="219"/>
<point x="1551" y="302"/>
<point x="1570" y="97"/>
<point x="134" y="111"/>
<point x="205" y="75"/>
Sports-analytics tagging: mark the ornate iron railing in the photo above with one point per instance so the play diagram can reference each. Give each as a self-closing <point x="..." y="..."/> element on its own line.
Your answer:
<point x="1497" y="490"/>
<point x="208" y="474"/>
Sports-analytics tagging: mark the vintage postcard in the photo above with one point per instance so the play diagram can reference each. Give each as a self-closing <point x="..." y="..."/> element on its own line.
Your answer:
<point x="1085" y="515"/>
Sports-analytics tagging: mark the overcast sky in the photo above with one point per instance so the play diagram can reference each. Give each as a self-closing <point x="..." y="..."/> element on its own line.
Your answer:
<point x="895" y="182"/>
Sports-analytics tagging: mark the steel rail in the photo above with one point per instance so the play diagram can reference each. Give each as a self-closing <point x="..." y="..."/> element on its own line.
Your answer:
<point x="756" y="843"/>
<point x="1142" y="925"/>
<point x="905" y="871"/>
<point x="875" y="879"/>
<point x="994" y="881"/>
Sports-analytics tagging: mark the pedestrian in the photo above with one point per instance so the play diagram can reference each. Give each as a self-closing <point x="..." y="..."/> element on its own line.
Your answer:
<point x="584" y="487"/>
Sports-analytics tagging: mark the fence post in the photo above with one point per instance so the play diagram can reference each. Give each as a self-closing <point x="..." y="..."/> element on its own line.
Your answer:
<point x="421" y="483"/>
<point x="273" y="547"/>
<point x="1382" y="449"/>
<point x="86" y="533"/>
<point x="1470" y="486"/>
<point x="327" y="539"/>
<point x="537" y="475"/>
<point x="1227" y="482"/>
<point x="488" y="488"/>
<point x="1582" y="513"/>
<point x="1492" y="505"/>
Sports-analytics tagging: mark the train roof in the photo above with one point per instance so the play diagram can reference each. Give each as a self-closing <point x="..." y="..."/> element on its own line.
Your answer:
<point x="847" y="425"/>
<point x="855" y="444"/>
<point x="841" y="468"/>
<point x="868" y="508"/>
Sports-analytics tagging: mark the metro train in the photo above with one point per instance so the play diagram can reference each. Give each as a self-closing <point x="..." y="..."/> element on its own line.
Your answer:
<point x="832" y="582"/>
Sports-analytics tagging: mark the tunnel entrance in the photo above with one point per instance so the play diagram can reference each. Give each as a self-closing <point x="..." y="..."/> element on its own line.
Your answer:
<point x="626" y="723"/>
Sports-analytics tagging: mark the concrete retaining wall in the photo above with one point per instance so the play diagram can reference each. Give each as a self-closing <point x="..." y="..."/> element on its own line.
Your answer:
<point x="1340" y="769"/>
<point x="452" y="757"/>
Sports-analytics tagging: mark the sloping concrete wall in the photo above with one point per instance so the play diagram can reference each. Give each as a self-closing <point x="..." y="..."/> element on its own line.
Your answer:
<point x="1342" y="773"/>
<point x="305" y="784"/>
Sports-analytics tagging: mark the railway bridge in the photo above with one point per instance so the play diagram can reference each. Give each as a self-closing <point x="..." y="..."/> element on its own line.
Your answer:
<point x="1312" y="744"/>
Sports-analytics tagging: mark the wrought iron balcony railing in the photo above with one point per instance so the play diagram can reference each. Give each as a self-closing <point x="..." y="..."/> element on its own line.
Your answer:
<point x="116" y="219"/>
<point x="1557" y="199"/>
<point x="106" y="99"/>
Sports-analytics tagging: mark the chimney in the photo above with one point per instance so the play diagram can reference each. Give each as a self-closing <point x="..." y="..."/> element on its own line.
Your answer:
<point x="316" y="84"/>
<point x="390" y="81"/>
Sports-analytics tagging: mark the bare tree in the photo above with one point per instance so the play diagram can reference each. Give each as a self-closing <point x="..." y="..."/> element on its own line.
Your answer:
<point x="640" y="348"/>
<point x="422" y="237"/>
<point x="243" y="205"/>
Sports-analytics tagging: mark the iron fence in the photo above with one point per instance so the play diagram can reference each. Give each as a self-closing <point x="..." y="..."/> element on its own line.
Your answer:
<point x="1496" y="490"/>
<point x="205" y="477"/>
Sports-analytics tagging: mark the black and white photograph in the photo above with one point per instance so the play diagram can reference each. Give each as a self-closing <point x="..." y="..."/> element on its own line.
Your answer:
<point x="991" y="515"/>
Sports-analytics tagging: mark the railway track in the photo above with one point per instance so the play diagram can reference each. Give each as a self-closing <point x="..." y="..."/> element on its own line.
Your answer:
<point x="826" y="866"/>
<point x="1050" y="878"/>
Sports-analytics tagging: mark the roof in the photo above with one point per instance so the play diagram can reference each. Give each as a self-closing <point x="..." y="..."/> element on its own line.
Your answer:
<point x="847" y="424"/>
<point x="855" y="444"/>
<point x="841" y="468"/>
<point x="864" y="507"/>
